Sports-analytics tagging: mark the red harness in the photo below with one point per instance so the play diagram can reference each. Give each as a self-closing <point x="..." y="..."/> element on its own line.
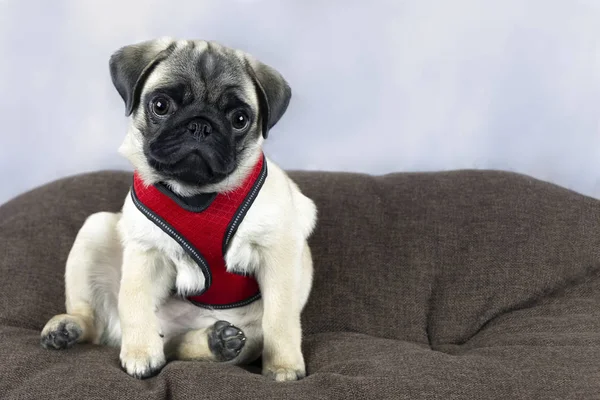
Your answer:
<point x="204" y="226"/>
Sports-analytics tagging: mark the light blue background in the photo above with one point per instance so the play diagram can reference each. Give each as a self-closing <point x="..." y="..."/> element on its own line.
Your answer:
<point x="379" y="86"/>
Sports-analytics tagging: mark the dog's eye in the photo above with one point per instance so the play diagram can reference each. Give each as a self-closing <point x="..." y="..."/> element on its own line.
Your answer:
<point x="239" y="120"/>
<point x="160" y="106"/>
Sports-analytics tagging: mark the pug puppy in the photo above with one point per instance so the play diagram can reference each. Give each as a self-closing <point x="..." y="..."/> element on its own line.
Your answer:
<point x="208" y="258"/>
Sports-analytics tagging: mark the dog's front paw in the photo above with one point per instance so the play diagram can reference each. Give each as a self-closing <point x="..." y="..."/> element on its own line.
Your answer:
<point x="142" y="362"/>
<point x="285" y="367"/>
<point x="282" y="373"/>
<point x="225" y="341"/>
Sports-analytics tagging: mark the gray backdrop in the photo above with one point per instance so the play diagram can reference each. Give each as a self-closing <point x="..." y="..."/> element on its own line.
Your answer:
<point x="379" y="86"/>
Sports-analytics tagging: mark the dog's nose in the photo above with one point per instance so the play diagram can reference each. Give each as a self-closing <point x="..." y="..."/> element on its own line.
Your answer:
<point x="199" y="128"/>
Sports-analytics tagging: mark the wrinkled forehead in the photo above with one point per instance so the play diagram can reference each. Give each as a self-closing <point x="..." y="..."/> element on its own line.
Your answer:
<point x="205" y="70"/>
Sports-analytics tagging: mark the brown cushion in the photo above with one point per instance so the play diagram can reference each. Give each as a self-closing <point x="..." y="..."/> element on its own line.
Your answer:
<point x="477" y="284"/>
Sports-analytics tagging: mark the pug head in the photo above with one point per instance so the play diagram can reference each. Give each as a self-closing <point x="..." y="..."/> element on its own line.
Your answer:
<point x="200" y="111"/>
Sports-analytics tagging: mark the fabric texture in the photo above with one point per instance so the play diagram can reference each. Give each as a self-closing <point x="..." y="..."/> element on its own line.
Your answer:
<point x="455" y="285"/>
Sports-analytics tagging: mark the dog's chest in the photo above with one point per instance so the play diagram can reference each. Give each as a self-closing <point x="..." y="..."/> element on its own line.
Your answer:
<point x="240" y="258"/>
<point x="242" y="255"/>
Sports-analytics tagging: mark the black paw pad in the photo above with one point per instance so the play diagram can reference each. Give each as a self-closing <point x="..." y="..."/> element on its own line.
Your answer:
<point x="225" y="341"/>
<point x="63" y="337"/>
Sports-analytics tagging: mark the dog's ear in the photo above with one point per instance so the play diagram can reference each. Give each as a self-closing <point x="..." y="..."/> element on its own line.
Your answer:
<point x="131" y="65"/>
<point x="273" y="92"/>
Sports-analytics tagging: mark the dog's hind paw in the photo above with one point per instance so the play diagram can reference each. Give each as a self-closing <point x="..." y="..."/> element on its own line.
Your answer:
<point x="225" y="341"/>
<point x="61" y="332"/>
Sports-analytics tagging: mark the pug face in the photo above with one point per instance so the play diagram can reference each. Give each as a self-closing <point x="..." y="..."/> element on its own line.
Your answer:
<point x="200" y="110"/>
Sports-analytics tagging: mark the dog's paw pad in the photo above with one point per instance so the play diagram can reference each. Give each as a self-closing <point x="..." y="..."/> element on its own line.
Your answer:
<point x="61" y="336"/>
<point x="225" y="341"/>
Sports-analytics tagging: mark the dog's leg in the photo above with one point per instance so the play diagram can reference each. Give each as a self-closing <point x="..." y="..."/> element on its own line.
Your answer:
<point x="145" y="284"/>
<point x="221" y="342"/>
<point x="281" y="279"/>
<point x="91" y="280"/>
